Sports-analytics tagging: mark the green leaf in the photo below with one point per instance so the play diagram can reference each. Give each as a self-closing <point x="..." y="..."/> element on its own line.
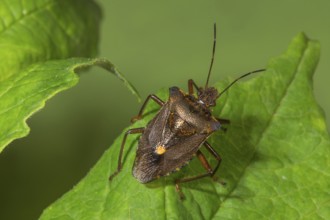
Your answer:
<point x="39" y="30"/>
<point x="24" y="94"/>
<point x="276" y="159"/>
<point x="32" y="32"/>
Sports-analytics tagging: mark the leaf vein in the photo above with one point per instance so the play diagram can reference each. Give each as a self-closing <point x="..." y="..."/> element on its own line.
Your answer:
<point x="31" y="12"/>
<point x="267" y="126"/>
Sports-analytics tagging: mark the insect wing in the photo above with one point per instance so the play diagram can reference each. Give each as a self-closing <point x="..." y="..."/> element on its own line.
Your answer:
<point x="167" y="144"/>
<point x="146" y="164"/>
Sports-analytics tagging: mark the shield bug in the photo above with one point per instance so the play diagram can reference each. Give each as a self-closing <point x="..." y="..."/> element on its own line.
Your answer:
<point x="177" y="132"/>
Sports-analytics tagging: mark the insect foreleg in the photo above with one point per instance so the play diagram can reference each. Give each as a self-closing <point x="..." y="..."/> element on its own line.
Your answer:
<point x="120" y="162"/>
<point x="191" y="85"/>
<point x="153" y="97"/>
<point x="223" y="121"/>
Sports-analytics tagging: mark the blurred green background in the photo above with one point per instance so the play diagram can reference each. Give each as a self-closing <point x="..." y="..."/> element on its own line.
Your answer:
<point x="156" y="45"/>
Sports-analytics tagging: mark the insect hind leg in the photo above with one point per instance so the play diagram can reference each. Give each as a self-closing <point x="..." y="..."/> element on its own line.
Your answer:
<point x="120" y="157"/>
<point x="205" y="164"/>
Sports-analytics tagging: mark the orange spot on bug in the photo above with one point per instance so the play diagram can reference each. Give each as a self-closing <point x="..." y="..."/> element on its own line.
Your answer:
<point x="160" y="150"/>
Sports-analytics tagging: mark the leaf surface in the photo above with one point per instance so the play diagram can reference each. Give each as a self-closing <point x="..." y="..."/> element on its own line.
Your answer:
<point x="25" y="93"/>
<point x="276" y="157"/>
<point x="40" y="30"/>
<point x="35" y="39"/>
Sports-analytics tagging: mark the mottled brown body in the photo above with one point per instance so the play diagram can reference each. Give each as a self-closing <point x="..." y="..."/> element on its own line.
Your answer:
<point x="180" y="128"/>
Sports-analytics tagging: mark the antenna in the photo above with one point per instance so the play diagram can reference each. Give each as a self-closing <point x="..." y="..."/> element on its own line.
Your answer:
<point x="213" y="52"/>
<point x="232" y="83"/>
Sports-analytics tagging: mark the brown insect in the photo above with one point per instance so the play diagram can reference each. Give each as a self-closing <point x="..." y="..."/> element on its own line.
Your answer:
<point x="178" y="131"/>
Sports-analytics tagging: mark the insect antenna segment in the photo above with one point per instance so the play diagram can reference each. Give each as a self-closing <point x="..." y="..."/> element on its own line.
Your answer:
<point x="208" y="95"/>
<point x="213" y="53"/>
<point x="241" y="77"/>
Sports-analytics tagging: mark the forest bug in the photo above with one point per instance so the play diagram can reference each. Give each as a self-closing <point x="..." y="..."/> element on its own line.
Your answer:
<point x="175" y="135"/>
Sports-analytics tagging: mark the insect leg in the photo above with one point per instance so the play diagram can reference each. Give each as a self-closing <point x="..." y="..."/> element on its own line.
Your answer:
<point x="191" y="85"/>
<point x="120" y="162"/>
<point x="205" y="164"/>
<point x="153" y="97"/>
<point x="216" y="156"/>
<point x="223" y="121"/>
